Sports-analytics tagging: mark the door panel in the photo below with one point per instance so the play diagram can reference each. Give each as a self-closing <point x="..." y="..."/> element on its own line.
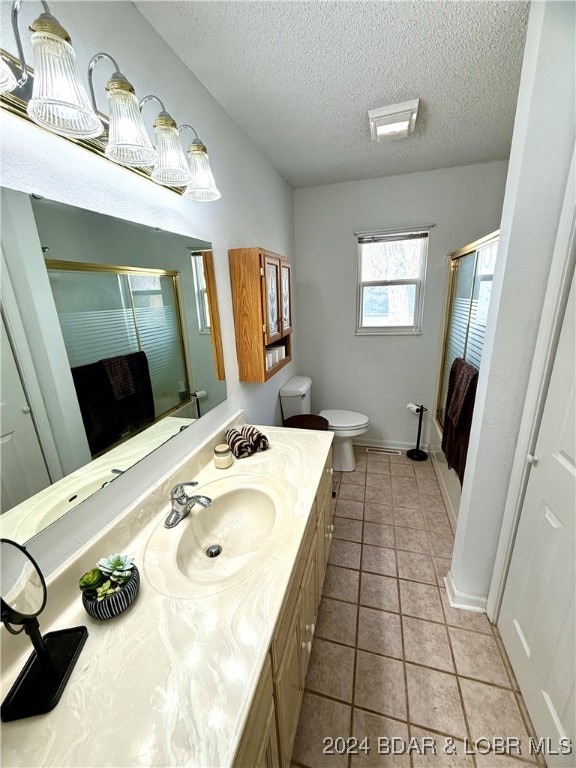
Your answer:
<point x="537" y="619"/>
<point x="24" y="470"/>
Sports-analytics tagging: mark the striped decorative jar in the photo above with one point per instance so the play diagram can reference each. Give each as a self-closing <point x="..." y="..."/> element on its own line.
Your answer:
<point x="113" y="605"/>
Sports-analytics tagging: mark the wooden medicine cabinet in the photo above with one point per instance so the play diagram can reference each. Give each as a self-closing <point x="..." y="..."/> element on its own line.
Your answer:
<point x="262" y="299"/>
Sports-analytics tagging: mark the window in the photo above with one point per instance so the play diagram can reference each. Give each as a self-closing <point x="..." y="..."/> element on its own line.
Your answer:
<point x="391" y="272"/>
<point x="202" y="303"/>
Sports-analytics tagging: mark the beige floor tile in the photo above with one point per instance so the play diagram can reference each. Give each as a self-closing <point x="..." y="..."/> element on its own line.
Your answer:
<point x="438" y="752"/>
<point x="337" y="476"/>
<point x="351" y="492"/>
<point x="478" y="656"/>
<point x="427" y="483"/>
<point x="412" y="540"/>
<point x="456" y="617"/>
<point x="403" y="484"/>
<point x="416" y="567"/>
<point x="505" y="659"/>
<point x="434" y="701"/>
<point x="331" y="669"/>
<point x="352" y="509"/>
<point x="409" y="499"/>
<point x="441" y="544"/>
<point x="379" y="632"/>
<point x="377" y="480"/>
<point x="380" y="685"/>
<point x="442" y="566"/>
<point x="378" y="731"/>
<point x="361" y="463"/>
<point x="337" y="621"/>
<point x="492" y="712"/>
<point x="378" y="535"/>
<point x="378" y="467"/>
<point x="408" y="518"/>
<point x="378" y="560"/>
<point x="358" y="477"/>
<point x="379" y="592"/>
<point x="378" y="495"/>
<point x="401" y="470"/>
<point x="400" y="459"/>
<point x="432" y="502"/>
<point x="378" y="513"/>
<point x="347" y="529"/>
<point x="421" y="601"/>
<point x="346" y="554"/>
<point x="320" y="717"/>
<point x="427" y="643"/>
<point x="437" y="521"/>
<point x="341" y="583"/>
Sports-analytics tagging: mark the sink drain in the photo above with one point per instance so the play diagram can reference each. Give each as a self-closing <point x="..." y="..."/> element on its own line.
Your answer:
<point x="214" y="550"/>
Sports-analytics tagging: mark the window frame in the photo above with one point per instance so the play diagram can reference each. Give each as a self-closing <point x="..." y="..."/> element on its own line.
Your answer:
<point x="365" y="238"/>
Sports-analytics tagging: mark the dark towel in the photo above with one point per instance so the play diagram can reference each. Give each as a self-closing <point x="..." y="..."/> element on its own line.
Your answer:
<point x="107" y="419"/>
<point x="256" y="439"/>
<point x="120" y="377"/>
<point x="458" y="413"/>
<point x="239" y="446"/>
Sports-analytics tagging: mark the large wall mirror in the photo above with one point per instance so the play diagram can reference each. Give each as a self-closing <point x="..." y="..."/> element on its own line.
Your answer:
<point x="110" y="346"/>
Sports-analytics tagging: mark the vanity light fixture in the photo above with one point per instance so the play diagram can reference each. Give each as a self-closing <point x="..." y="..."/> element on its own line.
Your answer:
<point x="59" y="100"/>
<point x="171" y="168"/>
<point x="128" y="141"/>
<point x="393" y="122"/>
<point x="7" y="80"/>
<point x="53" y="96"/>
<point x="202" y="186"/>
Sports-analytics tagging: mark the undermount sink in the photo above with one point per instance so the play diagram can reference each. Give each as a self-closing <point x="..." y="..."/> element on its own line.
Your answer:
<point x="214" y="548"/>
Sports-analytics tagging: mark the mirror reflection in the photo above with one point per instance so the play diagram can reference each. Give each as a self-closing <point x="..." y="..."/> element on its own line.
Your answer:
<point x="127" y="355"/>
<point x="22" y="587"/>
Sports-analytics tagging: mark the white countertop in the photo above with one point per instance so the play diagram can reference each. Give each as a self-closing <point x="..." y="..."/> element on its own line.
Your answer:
<point x="170" y="682"/>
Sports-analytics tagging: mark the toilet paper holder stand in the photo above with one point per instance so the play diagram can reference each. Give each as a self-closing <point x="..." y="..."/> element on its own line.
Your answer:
<point x="415" y="453"/>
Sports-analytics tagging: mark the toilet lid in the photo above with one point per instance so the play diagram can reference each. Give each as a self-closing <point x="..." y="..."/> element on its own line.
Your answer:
<point x="345" y="419"/>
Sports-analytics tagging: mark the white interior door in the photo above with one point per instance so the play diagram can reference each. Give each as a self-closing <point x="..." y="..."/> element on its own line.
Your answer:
<point x="24" y="470"/>
<point x="537" y="621"/>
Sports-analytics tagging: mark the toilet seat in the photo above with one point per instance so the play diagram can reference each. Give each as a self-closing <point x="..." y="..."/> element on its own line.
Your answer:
<point x="345" y="421"/>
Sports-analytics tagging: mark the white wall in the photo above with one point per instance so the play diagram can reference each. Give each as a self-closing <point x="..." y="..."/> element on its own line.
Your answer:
<point x="538" y="173"/>
<point x="256" y="208"/>
<point x="378" y="375"/>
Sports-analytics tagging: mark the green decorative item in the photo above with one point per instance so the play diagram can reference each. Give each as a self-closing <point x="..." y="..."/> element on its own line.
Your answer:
<point x="111" y="587"/>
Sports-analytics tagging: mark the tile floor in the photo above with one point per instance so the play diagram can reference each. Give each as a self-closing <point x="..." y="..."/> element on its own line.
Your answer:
<point x="391" y="659"/>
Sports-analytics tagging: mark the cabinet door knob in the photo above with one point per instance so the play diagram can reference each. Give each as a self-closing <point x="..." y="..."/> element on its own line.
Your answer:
<point x="310" y="628"/>
<point x="26" y="409"/>
<point x="331" y="528"/>
<point x="531" y="459"/>
<point x="330" y="470"/>
<point x="307" y="646"/>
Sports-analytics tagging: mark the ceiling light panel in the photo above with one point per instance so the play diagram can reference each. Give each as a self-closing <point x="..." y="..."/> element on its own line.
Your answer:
<point x="393" y="122"/>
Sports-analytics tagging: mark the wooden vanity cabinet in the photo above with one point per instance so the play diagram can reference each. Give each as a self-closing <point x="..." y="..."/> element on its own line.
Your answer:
<point x="262" y="301"/>
<point x="291" y="645"/>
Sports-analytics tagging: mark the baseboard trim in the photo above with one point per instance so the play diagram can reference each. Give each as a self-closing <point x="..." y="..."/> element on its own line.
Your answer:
<point x="369" y="443"/>
<point x="463" y="600"/>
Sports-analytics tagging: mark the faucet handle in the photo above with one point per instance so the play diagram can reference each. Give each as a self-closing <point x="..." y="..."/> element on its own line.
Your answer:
<point x="178" y="493"/>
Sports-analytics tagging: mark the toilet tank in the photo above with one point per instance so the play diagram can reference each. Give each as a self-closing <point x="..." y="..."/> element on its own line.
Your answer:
<point x="295" y="396"/>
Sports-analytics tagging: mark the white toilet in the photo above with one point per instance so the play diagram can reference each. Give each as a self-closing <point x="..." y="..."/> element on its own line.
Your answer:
<point x="295" y="397"/>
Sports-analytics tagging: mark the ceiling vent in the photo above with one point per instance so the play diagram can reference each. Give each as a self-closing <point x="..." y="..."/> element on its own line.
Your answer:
<point x="393" y="122"/>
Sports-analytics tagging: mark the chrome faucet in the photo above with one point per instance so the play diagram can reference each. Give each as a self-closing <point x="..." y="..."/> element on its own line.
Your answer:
<point x="182" y="503"/>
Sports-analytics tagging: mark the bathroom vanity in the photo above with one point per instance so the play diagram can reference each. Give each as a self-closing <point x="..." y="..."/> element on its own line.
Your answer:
<point x="207" y="667"/>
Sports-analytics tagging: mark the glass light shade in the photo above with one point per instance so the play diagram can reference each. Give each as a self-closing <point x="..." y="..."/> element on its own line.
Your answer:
<point x="59" y="100"/>
<point x="171" y="168"/>
<point x="128" y="142"/>
<point x="7" y="80"/>
<point x="202" y="187"/>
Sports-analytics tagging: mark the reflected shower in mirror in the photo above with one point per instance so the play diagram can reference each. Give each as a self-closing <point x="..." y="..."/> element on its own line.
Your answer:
<point x="110" y="346"/>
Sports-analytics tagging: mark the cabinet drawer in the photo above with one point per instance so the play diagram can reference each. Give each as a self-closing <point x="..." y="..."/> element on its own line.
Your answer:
<point x="252" y="749"/>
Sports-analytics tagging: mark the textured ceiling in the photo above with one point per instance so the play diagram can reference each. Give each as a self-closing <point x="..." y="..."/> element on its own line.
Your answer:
<point x="299" y="77"/>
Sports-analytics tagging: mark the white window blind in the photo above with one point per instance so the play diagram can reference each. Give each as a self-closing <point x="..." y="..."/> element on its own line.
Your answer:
<point x="472" y="274"/>
<point x="105" y="314"/>
<point x="391" y="276"/>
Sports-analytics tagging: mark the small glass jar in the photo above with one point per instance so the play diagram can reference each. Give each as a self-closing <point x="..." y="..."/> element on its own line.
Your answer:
<point x="223" y="456"/>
